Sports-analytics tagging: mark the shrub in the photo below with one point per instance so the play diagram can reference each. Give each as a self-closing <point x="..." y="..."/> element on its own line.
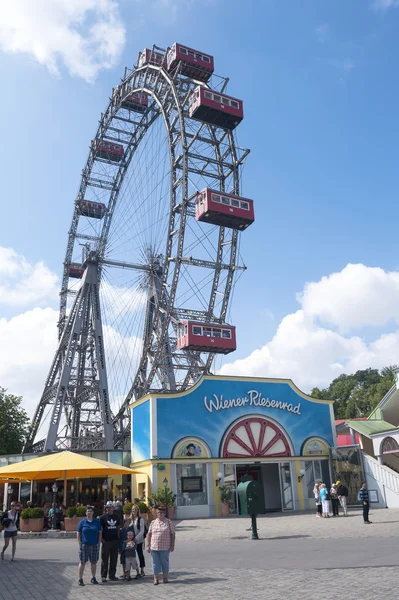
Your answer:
<point x="26" y="513"/>
<point x="163" y="497"/>
<point x="70" y="512"/>
<point x="226" y="494"/>
<point x="81" y="511"/>
<point x="127" y="508"/>
<point x="32" y="513"/>
<point x="143" y="507"/>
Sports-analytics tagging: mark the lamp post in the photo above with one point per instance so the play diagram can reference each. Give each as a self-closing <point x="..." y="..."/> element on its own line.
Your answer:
<point x="105" y="490"/>
<point x="9" y="492"/>
<point x="54" y="487"/>
<point x="165" y="485"/>
<point x="301" y="475"/>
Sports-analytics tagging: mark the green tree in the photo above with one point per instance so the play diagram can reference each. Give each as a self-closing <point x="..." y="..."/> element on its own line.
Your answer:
<point x="14" y="423"/>
<point x="357" y="395"/>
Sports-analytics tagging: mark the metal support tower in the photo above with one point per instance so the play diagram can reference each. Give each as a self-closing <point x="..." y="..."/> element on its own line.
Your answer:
<point x="76" y="390"/>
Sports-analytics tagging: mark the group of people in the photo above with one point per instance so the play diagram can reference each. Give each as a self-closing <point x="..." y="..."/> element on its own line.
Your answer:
<point x="127" y="540"/>
<point x="338" y="496"/>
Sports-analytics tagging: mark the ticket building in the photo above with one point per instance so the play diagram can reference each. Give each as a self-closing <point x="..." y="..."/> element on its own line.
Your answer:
<point x="225" y="428"/>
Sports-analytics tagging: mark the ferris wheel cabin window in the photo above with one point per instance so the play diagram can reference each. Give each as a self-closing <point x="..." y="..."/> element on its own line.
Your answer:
<point x="225" y="200"/>
<point x="217" y="333"/>
<point x="208" y="331"/>
<point x="245" y="205"/>
<point x="234" y="104"/>
<point x="208" y="95"/>
<point x="183" y="50"/>
<point x="197" y="330"/>
<point x="185" y="329"/>
<point x="226" y="333"/>
<point x="206" y="59"/>
<point x="217" y="98"/>
<point x="215" y="198"/>
<point x="235" y="203"/>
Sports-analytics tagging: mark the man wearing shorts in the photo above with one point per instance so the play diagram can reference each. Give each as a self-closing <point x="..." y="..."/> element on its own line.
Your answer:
<point x="89" y="540"/>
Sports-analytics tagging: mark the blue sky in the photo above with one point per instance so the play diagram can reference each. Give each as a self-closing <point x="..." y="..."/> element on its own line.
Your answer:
<point x="320" y="89"/>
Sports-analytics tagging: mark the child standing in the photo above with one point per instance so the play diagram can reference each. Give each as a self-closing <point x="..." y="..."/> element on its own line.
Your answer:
<point x="129" y="551"/>
<point x="123" y="538"/>
<point x="317" y="498"/>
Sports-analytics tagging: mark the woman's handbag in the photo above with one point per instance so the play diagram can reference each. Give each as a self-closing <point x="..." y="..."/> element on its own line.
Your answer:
<point x="6" y="521"/>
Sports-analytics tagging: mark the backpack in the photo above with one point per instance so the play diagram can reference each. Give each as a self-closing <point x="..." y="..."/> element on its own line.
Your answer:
<point x="328" y="497"/>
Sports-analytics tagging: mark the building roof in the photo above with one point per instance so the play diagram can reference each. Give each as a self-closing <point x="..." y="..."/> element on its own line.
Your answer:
<point x="370" y="427"/>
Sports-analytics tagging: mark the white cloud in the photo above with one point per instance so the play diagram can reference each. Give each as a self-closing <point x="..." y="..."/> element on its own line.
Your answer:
<point x="322" y="32"/>
<point x="358" y="296"/>
<point x="385" y="4"/>
<point x="311" y="354"/>
<point x="86" y="35"/>
<point x="27" y="345"/>
<point x="348" y="64"/>
<point x="23" y="283"/>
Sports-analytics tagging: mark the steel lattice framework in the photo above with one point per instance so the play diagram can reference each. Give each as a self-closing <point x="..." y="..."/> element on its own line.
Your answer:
<point x="183" y="271"/>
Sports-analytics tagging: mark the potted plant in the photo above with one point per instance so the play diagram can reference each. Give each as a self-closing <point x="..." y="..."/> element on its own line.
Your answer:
<point x="163" y="497"/>
<point x="32" y="519"/>
<point x="72" y="518"/>
<point x="226" y="495"/>
<point x="127" y="509"/>
<point x="143" y="511"/>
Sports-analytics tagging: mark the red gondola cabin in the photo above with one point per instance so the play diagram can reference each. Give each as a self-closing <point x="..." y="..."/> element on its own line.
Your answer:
<point x="94" y="210"/>
<point x="223" y="209"/>
<point x="206" y="337"/>
<point x="137" y="101"/>
<point x="215" y="109"/>
<point x="109" y="150"/>
<point x="193" y="63"/>
<point x="76" y="271"/>
<point x="151" y="57"/>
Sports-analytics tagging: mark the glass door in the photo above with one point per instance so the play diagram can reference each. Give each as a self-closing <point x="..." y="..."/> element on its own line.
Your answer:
<point x="286" y="486"/>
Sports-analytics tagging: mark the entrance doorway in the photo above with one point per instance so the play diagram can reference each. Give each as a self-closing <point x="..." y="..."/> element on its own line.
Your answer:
<point x="275" y="479"/>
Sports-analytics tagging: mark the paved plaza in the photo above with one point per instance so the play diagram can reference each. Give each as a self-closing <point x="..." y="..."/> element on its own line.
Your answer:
<point x="298" y="557"/>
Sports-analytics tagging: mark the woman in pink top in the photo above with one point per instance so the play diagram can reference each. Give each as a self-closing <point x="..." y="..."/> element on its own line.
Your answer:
<point x="160" y="542"/>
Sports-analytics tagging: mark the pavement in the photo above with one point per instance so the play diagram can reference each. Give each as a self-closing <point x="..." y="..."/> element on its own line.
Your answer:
<point x="297" y="557"/>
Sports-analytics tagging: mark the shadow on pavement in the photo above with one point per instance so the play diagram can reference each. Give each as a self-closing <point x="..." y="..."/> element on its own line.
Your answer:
<point x="196" y="580"/>
<point x="286" y="537"/>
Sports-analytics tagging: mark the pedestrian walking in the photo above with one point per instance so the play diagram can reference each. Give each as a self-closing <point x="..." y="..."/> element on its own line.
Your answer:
<point x="325" y="500"/>
<point x="137" y="525"/>
<point x="89" y="540"/>
<point x="334" y="500"/>
<point x="160" y="542"/>
<point x="110" y="543"/>
<point x="129" y="552"/>
<point x="363" y="496"/>
<point x="316" y="493"/>
<point x="10" y="522"/>
<point x="342" y="496"/>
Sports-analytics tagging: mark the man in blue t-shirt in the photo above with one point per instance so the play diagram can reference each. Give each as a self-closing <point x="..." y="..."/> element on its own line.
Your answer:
<point x="89" y="540"/>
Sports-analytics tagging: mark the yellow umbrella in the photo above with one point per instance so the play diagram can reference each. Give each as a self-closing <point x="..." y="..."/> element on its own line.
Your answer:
<point x="62" y="465"/>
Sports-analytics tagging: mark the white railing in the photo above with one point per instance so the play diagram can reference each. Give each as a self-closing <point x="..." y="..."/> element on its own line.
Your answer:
<point x="381" y="473"/>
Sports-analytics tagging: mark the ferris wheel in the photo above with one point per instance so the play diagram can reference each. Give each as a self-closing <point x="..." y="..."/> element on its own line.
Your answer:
<point x="152" y="253"/>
